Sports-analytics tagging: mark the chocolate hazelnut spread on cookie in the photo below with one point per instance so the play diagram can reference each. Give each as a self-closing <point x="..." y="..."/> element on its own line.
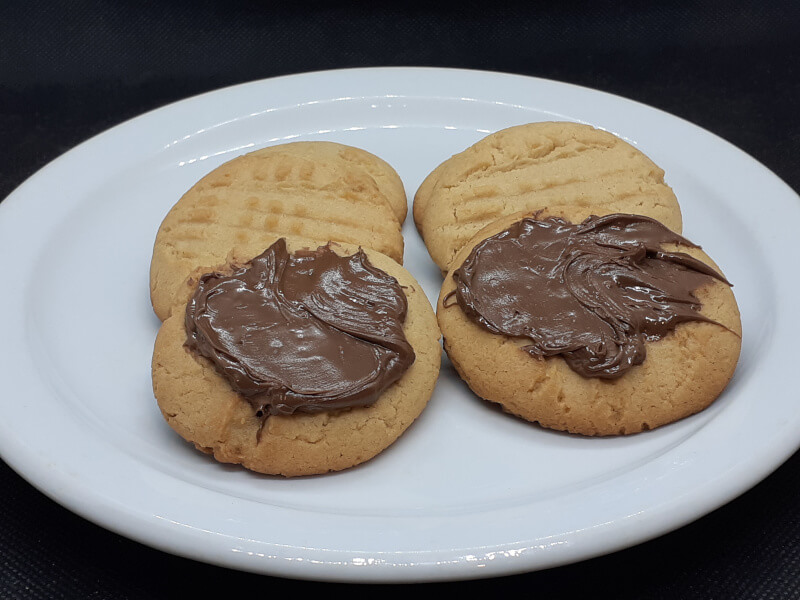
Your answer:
<point x="592" y="293"/>
<point x="308" y="331"/>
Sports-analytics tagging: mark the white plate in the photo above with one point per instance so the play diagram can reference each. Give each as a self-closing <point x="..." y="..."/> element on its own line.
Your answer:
<point x="467" y="492"/>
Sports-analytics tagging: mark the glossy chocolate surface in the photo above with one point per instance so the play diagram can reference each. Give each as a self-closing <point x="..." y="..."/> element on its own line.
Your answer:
<point x="307" y="331"/>
<point x="592" y="293"/>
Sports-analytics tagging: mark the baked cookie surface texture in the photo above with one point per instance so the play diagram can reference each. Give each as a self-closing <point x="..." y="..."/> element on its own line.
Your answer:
<point x="300" y="361"/>
<point x="318" y="191"/>
<point x="533" y="166"/>
<point x="355" y="159"/>
<point x="602" y="326"/>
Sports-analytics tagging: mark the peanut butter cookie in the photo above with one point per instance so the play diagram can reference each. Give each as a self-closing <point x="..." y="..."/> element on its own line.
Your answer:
<point x="247" y="203"/>
<point x="299" y="361"/>
<point x="597" y="326"/>
<point x="528" y="167"/>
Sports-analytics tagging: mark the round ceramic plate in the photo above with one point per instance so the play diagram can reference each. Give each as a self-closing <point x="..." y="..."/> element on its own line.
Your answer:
<point x="467" y="491"/>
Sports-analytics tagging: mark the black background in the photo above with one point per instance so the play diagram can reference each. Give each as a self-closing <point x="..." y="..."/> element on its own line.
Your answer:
<point x="71" y="70"/>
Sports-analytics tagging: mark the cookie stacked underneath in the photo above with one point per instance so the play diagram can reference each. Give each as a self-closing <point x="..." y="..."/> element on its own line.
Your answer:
<point x="570" y="299"/>
<point x="535" y="166"/>
<point x="293" y="341"/>
<point x="315" y="191"/>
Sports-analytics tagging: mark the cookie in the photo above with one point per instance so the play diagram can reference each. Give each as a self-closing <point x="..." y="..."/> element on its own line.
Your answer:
<point x="556" y="338"/>
<point x="249" y="202"/>
<point x="354" y="159"/>
<point x="527" y="167"/>
<point x="294" y="431"/>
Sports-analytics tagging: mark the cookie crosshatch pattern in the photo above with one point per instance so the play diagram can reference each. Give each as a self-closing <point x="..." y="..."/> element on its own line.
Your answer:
<point x="533" y="166"/>
<point x="318" y="191"/>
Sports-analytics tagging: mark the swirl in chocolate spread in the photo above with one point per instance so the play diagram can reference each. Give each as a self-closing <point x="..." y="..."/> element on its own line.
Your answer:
<point x="307" y="331"/>
<point x="592" y="292"/>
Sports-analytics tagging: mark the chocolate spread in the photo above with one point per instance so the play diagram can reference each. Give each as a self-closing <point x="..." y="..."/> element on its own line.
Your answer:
<point x="307" y="331"/>
<point x="592" y="292"/>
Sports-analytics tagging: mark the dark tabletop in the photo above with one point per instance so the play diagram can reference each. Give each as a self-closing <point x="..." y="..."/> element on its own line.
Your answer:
<point x="70" y="70"/>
